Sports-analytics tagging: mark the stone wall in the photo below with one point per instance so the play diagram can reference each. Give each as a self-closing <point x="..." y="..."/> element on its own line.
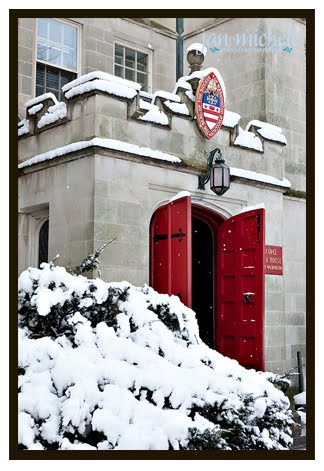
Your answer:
<point x="26" y="62"/>
<point x="97" y="51"/>
<point x="98" y="114"/>
<point x="268" y="86"/>
<point x="96" y="194"/>
<point x="295" y="278"/>
<point x="117" y="198"/>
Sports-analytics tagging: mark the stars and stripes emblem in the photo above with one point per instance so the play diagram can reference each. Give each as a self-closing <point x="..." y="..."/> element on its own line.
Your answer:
<point x="209" y="105"/>
<point x="211" y="109"/>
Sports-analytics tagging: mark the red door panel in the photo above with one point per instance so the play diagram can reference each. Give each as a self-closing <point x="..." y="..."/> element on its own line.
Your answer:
<point x="171" y="249"/>
<point x="240" y="288"/>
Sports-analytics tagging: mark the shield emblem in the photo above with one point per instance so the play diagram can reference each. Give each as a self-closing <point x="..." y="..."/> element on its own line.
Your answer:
<point x="209" y="105"/>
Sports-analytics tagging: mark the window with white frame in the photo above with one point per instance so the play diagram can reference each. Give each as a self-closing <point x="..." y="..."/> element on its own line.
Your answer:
<point x="132" y="64"/>
<point x="57" y="55"/>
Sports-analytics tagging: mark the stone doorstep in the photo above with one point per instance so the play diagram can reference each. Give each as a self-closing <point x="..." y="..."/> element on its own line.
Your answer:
<point x="298" y="432"/>
<point x="299" y="443"/>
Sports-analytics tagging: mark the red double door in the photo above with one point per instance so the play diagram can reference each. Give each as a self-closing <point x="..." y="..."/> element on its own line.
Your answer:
<point x="238" y="281"/>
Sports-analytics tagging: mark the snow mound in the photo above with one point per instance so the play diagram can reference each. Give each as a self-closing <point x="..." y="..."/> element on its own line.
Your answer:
<point x="111" y="366"/>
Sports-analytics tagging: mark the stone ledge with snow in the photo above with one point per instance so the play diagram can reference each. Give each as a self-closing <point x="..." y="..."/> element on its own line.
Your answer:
<point x="172" y="103"/>
<point x="110" y="366"/>
<point x="113" y="109"/>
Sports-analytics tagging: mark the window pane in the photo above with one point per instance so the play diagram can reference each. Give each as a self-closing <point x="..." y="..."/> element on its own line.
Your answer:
<point x="119" y="54"/>
<point x="52" y="78"/>
<point x="57" y="43"/>
<point x="69" y="36"/>
<point x="40" y="75"/>
<point x="54" y="55"/>
<point x="39" y="90"/>
<point x="67" y="77"/>
<point x="55" y="79"/>
<point x="142" y="79"/>
<point x="129" y="58"/>
<point x="119" y="71"/>
<point x="55" y="31"/>
<point x="130" y="74"/>
<point x="141" y="62"/>
<point x="41" y="52"/>
<point x="42" y="28"/>
<point x="69" y="59"/>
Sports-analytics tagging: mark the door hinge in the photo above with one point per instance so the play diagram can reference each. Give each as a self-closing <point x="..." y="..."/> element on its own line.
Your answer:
<point x="179" y="235"/>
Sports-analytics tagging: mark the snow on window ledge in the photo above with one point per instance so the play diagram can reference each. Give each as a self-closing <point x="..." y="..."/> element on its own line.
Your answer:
<point x="35" y="109"/>
<point x="267" y="131"/>
<point x="23" y="127"/>
<point x="40" y="98"/>
<point x="163" y="95"/>
<point x="231" y="119"/>
<point x="104" y="76"/>
<point x="145" y="105"/>
<point x="104" y="143"/>
<point x="248" y="140"/>
<point x="180" y="108"/>
<point x="54" y="113"/>
<point x="155" y="116"/>
<point x="112" y="88"/>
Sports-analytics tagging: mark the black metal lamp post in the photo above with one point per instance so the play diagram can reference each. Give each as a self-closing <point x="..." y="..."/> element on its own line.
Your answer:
<point x="218" y="174"/>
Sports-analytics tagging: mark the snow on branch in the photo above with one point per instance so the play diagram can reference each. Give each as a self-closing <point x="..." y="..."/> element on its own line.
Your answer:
<point x="111" y="366"/>
<point x="91" y="262"/>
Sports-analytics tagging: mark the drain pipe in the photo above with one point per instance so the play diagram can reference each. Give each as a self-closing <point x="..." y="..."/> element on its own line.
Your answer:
<point x="179" y="48"/>
<point x="301" y="379"/>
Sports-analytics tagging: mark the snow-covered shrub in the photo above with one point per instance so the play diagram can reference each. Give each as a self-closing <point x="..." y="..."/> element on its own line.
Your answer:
<point x="106" y="366"/>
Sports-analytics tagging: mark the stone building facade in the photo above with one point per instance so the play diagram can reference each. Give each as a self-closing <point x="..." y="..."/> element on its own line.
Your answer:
<point x="98" y="158"/>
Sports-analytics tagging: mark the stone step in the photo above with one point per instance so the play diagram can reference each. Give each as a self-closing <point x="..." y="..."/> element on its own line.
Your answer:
<point x="299" y="443"/>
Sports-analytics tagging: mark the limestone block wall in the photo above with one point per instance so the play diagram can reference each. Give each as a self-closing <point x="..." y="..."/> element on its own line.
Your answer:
<point x="94" y="194"/>
<point x="26" y="62"/>
<point x="295" y="278"/>
<point x="97" y="51"/>
<point x="67" y="191"/>
<point x="267" y="86"/>
<point x="118" y="197"/>
<point x="97" y="114"/>
<point x="286" y="97"/>
<point x="243" y="73"/>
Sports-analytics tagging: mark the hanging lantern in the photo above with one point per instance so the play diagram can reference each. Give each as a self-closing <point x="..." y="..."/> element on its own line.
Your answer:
<point x="218" y="174"/>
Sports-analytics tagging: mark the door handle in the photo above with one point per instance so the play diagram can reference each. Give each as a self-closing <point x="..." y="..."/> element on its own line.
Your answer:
<point x="247" y="299"/>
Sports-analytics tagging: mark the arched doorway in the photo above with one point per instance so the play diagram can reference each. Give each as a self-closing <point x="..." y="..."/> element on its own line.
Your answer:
<point x="205" y="226"/>
<point x="216" y="267"/>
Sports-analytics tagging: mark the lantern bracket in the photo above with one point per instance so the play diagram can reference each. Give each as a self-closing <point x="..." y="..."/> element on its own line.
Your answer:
<point x="203" y="179"/>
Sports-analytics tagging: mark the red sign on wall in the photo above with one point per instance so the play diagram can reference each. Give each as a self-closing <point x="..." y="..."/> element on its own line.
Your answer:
<point x="209" y="105"/>
<point x="273" y="260"/>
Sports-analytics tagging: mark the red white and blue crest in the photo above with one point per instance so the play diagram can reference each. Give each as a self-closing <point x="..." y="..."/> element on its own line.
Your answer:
<point x="209" y="105"/>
